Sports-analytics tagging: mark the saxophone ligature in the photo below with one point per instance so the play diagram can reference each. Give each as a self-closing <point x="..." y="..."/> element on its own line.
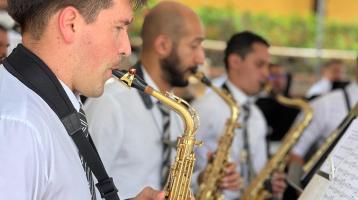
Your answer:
<point x="179" y="180"/>
<point x="277" y="163"/>
<point x="208" y="188"/>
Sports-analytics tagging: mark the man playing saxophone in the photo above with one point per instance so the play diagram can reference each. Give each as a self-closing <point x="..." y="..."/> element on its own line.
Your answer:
<point x="133" y="132"/>
<point x="246" y="61"/>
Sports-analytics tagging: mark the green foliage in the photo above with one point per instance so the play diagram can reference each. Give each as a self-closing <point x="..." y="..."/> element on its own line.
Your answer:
<point x="293" y="31"/>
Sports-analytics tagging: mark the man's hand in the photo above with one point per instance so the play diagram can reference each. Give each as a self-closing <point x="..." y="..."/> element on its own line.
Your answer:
<point x="278" y="182"/>
<point x="149" y="193"/>
<point x="232" y="179"/>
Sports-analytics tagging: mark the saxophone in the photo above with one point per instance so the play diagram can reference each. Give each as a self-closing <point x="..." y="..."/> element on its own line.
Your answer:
<point x="208" y="188"/>
<point x="178" y="183"/>
<point x="256" y="190"/>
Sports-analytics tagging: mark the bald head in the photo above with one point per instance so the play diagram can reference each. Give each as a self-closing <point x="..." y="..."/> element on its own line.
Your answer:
<point x="168" y="18"/>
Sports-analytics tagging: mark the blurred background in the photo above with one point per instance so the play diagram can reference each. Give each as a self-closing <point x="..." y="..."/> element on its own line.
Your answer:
<point x="304" y="34"/>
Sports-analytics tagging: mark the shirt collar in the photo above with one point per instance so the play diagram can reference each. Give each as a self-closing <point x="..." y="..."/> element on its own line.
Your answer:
<point x="75" y="99"/>
<point x="354" y="84"/>
<point x="324" y="80"/>
<point x="150" y="82"/>
<point x="238" y="94"/>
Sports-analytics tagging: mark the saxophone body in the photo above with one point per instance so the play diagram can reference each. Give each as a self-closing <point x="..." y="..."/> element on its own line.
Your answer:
<point x="256" y="190"/>
<point x="208" y="188"/>
<point x="179" y="180"/>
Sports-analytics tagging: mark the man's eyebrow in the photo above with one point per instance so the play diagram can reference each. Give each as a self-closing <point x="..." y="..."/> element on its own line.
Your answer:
<point x="124" y="22"/>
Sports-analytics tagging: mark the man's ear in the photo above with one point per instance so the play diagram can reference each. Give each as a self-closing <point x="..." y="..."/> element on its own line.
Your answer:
<point x="234" y="61"/>
<point x="68" y="21"/>
<point x="163" y="45"/>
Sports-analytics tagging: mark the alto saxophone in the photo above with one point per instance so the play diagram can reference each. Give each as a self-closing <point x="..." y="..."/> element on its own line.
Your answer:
<point x="178" y="183"/>
<point x="208" y="188"/>
<point x="256" y="190"/>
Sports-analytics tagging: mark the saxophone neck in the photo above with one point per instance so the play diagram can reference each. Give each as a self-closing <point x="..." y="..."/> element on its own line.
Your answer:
<point x="226" y="96"/>
<point x="297" y="103"/>
<point x="180" y="106"/>
<point x="284" y="100"/>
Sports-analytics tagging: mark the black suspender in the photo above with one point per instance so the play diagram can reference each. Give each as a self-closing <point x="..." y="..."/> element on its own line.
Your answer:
<point x="35" y="74"/>
<point x="347" y="100"/>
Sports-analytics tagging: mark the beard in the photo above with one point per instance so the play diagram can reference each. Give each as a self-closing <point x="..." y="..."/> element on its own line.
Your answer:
<point x="172" y="70"/>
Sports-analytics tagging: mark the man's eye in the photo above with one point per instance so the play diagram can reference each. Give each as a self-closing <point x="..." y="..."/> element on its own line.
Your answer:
<point x="194" y="46"/>
<point x="122" y="28"/>
<point x="260" y="65"/>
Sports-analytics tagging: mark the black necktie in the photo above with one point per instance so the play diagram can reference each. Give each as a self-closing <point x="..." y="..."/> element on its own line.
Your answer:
<point x="166" y="142"/>
<point x="84" y="164"/>
<point x="247" y="168"/>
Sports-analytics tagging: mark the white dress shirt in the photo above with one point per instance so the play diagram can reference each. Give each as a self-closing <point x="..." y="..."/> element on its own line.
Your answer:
<point x="328" y="112"/>
<point x="323" y="86"/>
<point x="213" y="113"/>
<point x="38" y="158"/>
<point x="15" y="38"/>
<point x="128" y="136"/>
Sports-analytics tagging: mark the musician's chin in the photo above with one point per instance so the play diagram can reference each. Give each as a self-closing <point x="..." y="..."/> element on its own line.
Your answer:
<point x="108" y="74"/>
<point x="262" y="85"/>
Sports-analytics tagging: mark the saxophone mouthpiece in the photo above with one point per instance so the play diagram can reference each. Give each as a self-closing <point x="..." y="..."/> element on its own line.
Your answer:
<point x="194" y="70"/>
<point x="126" y="77"/>
<point x="130" y="79"/>
<point x="118" y="73"/>
<point x="201" y="76"/>
<point x="267" y="88"/>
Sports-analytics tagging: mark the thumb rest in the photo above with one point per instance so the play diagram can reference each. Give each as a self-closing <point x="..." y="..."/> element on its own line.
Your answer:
<point x="214" y="171"/>
<point x="256" y="190"/>
<point x="179" y="180"/>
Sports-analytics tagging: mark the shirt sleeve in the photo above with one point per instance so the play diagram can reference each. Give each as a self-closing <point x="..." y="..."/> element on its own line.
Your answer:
<point x="22" y="161"/>
<point x="314" y="130"/>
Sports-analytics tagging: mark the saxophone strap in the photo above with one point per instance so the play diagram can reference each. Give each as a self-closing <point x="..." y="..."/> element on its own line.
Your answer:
<point x="35" y="74"/>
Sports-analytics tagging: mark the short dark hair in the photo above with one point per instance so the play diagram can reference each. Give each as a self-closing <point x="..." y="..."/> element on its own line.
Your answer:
<point x="241" y="44"/>
<point x="332" y="62"/>
<point x="33" y="15"/>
